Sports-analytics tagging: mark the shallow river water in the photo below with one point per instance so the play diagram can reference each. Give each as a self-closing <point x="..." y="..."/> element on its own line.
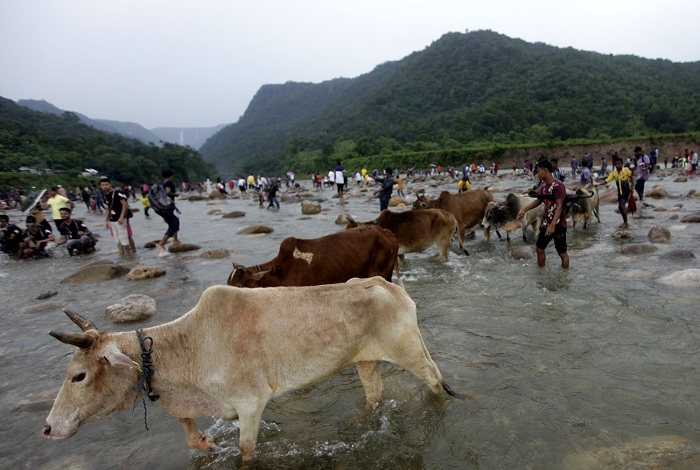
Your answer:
<point x="594" y="367"/>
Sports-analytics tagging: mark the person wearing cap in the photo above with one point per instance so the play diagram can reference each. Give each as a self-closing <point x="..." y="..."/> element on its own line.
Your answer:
<point x="74" y="234"/>
<point x="38" y="241"/>
<point x="57" y="202"/>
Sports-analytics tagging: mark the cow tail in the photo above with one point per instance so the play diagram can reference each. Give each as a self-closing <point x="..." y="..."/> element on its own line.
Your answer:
<point x="451" y="392"/>
<point x="398" y="274"/>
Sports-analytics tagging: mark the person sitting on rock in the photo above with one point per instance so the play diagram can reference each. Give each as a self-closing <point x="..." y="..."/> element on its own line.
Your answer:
<point x="75" y="234"/>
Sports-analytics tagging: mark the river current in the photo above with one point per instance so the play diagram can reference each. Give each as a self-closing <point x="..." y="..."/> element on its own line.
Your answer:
<point x="594" y="367"/>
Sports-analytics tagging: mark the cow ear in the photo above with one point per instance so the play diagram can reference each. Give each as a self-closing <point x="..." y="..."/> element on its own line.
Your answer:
<point x="115" y="357"/>
<point x="258" y="276"/>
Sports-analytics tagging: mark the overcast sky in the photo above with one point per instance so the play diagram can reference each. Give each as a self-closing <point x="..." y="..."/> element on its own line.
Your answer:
<point x="200" y="62"/>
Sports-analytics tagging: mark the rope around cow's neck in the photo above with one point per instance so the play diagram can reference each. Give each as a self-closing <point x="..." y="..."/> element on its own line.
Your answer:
<point x="147" y="370"/>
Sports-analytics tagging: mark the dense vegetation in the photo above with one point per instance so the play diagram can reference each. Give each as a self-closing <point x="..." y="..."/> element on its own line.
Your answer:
<point x="62" y="144"/>
<point x="475" y="94"/>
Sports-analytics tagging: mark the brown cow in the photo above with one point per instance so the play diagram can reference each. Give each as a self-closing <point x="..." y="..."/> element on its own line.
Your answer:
<point x="468" y="207"/>
<point x="362" y="252"/>
<point x="419" y="229"/>
<point x="239" y="348"/>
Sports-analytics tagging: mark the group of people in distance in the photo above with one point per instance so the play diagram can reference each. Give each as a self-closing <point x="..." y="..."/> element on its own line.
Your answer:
<point x="554" y="225"/>
<point x="38" y="238"/>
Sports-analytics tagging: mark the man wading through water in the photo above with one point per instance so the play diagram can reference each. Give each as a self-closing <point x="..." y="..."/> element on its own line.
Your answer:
<point x="554" y="221"/>
<point x="168" y="214"/>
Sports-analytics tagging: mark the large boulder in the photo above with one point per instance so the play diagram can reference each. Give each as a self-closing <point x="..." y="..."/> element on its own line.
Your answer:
<point x="343" y="219"/>
<point x="255" y="229"/>
<point x="145" y="272"/>
<point x="135" y="307"/>
<point x="310" y="207"/>
<point x="659" y="234"/>
<point x="95" y="273"/>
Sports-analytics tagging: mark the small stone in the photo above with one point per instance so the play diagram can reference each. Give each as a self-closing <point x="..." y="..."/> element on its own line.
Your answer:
<point x="233" y="215"/>
<point x="183" y="247"/>
<point x="46" y="295"/>
<point x="659" y="234"/>
<point x="308" y="208"/>
<point x="216" y="254"/>
<point x="255" y="229"/>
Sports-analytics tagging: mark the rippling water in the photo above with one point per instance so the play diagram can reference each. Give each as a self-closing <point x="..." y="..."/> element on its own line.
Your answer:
<point x="566" y="369"/>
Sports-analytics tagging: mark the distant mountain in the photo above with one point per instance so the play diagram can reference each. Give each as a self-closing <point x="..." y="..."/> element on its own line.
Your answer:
<point x="463" y="90"/>
<point x="193" y="136"/>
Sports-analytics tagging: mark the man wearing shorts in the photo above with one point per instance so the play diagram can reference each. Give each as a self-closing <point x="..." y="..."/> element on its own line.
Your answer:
<point x="554" y="221"/>
<point x="116" y="220"/>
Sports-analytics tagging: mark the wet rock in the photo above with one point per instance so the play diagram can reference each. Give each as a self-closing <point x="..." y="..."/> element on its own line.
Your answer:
<point x="343" y="219"/>
<point x="657" y="192"/>
<point x="396" y="201"/>
<point x="151" y="244"/>
<point x="145" y="272"/>
<point x="43" y="307"/>
<point x="678" y="255"/>
<point x="46" y="295"/>
<point x="638" y="249"/>
<point x="42" y="401"/>
<point x="660" y="209"/>
<point x="622" y="235"/>
<point x="309" y="208"/>
<point x="216" y="254"/>
<point x="685" y="278"/>
<point x="215" y="212"/>
<point x="523" y="252"/>
<point x="217" y="195"/>
<point x="681" y="179"/>
<point x="673" y="217"/>
<point x="96" y="272"/>
<point x="645" y="453"/>
<point x="255" y="229"/>
<point x="216" y="202"/>
<point x="659" y="234"/>
<point x="183" y="247"/>
<point x="691" y="219"/>
<point x="135" y="307"/>
<point x="233" y="215"/>
<point x="196" y="198"/>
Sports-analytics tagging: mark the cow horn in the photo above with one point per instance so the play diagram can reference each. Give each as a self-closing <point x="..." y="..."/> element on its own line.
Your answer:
<point x="80" y="320"/>
<point x="81" y="340"/>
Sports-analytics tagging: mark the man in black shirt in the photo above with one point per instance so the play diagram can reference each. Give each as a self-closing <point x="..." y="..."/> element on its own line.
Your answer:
<point x="168" y="215"/>
<point x="74" y="234"/>
<point x="11" y="236"/>
<point x="38" y="240"/>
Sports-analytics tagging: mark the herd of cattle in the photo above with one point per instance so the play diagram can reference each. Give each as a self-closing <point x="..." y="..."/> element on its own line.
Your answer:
<point x="233" y="352"/>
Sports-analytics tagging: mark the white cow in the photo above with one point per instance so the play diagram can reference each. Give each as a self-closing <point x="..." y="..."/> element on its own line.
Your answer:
<point x="584" y="208"/>
<point x="239" y="348"/>
<point x="505" y="215"/>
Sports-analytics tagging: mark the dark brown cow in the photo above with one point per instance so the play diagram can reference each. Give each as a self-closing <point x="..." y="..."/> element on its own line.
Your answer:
<point x="419" y="229"/>
<point x="468" y="207"/>
<point x="361" y="252"/>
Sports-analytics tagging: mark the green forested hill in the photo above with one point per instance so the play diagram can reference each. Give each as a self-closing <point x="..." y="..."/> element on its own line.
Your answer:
<point x="464" y="90"/>
<point x="47" y="141"/>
